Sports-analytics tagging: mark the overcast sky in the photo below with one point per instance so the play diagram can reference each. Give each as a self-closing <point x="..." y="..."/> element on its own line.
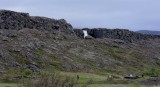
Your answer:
<point x="128" y="14"/>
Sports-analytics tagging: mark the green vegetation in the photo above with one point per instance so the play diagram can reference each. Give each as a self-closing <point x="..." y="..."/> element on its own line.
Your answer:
<point x="152" y="72"/>
<point x="119" y="85"/>
<point x="10" y="85"/>
<point x="54" y="80"/>
<point x="2" y="59"/>
<point x="84" y="77"/>
<point x="11" y="73"/>
<point x="26" y="72"/>
<point x="48" y="79"/>
<point x="101" y="63"/>
<point x="56" y="64"/>
<point x="40" y="52"/>
<point x="19" y="57"/>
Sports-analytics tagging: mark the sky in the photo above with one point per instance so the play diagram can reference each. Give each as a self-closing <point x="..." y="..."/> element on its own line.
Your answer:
<point x="126" y="14"/>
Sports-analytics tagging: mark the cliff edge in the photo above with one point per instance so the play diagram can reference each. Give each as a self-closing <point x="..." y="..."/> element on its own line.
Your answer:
<point x="17" y="21"/>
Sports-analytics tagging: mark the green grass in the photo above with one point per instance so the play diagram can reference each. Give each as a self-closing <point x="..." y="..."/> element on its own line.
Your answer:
<point x="152" y="72"/>
<point x="84" y="77"/>
<point x="40" y="52"/>
<point x="95" y="80"/>
<point x="27" y="72"/>
<point x="19" y="57"/>
<point x="56" y="64"/>
<point x="92" y="85"/>
<point x="10" y="85"/>
<point x="119" y="85"/>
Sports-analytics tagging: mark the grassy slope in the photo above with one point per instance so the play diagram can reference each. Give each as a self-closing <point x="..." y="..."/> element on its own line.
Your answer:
<point x="102" y="57"/>
<point x="93" y="85"/>
<point x="101" y="80"/>
<point x="119" y="85"/>
<point x="9" y="85"/>
<point x="96" y="80"/>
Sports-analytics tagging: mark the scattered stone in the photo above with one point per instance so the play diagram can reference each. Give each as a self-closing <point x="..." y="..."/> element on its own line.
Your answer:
<point x="12" y="34"/>
<point x="16" y="49"/>
<point x="14" y="64"/>
<point x="89" y="37"/>
<point x="5" y="39"/>
<point x="2" y="71"/>
<point x="34" y="68"/>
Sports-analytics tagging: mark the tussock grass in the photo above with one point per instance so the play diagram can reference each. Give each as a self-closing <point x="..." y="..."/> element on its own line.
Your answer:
<point x="54" y="80"/>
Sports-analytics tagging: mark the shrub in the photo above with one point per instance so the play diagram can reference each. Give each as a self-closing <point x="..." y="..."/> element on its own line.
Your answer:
<point x="54" y="80"/>
<point x="152" y="72"/>
<point x="26" y="72"/>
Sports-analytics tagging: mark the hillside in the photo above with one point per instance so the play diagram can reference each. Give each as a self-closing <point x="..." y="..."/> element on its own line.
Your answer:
<point x="149" y="32"/>
<point x="39" y="43"/>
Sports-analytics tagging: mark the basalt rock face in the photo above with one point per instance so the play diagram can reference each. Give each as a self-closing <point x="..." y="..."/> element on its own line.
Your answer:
<point x="16" y="21"/>
<point x="23" y="38"/>
<point x="79" y="33"/>
<point x="122" y="34"/>
<point x="38" y="43"/>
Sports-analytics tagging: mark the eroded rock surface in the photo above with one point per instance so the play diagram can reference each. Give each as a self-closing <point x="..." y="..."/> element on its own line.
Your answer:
<point x="123" y="34"/>
<point x="16" y="21"/>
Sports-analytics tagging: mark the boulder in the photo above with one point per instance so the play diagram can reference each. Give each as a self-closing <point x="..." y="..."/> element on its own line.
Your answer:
<point x="2" y="71"/>
<point x="34" y="68"/>
<point x="89" y="37"/>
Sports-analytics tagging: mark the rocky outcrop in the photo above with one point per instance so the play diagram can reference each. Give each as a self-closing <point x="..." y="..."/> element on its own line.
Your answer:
<point x="16" y="21"/>
<point x="122" y="34"/>
<point x="79" y="33"/>
<point x="149" y="32"/>
<point x="11" y="20"/>
<point x="38" y="43"/>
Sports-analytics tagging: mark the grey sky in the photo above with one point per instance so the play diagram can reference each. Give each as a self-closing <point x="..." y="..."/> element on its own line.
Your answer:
<point x="128" y="14"/>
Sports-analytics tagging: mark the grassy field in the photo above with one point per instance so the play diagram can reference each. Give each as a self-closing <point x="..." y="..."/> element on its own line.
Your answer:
<point x="86" y="77"/>
<point x="118" y="85"/>
<point x="92" y="85"/>
<point x="9" y="85"/>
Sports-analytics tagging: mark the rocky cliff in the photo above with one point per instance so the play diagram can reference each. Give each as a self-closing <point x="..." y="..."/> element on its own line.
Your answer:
<point x="22" y="36"/>
<point x="16" y="21"/>
<point x="39" y="43"/>
<point x="122" y="34"/>
<point x="149" y="32"/>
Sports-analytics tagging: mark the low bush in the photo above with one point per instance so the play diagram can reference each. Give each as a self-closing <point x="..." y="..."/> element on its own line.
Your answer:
<point x="152" y="73"/>
<point x="26" y="72"/>
<point x="54" y="80"/>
